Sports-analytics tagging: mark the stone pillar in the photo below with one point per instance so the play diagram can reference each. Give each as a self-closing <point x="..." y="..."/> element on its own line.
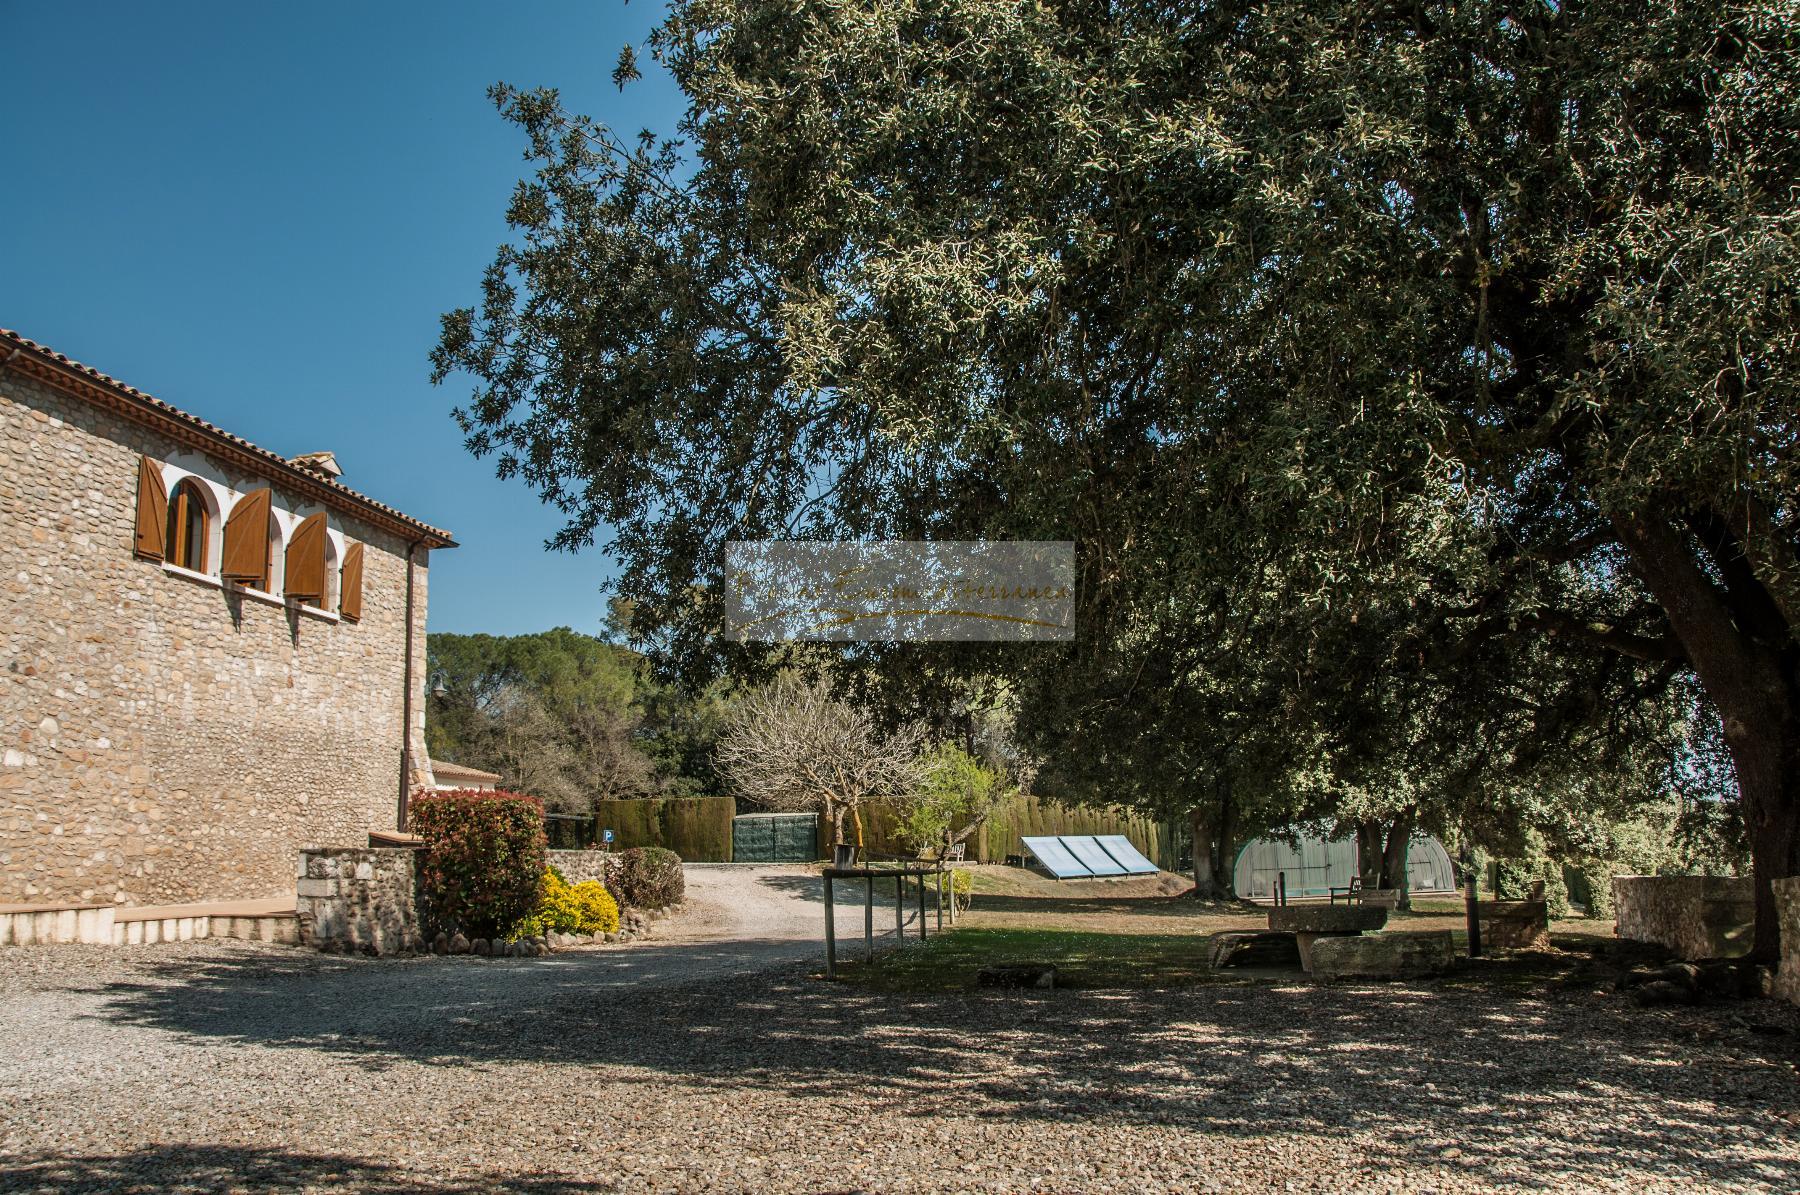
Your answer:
<point x="421" y="777"/>
<point x="359" y="899"/>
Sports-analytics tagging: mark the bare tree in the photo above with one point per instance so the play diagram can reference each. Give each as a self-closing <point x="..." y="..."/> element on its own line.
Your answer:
<point x="791" y="745"/>
<point x="525" y="744"/>
<point x="608" y="764"/>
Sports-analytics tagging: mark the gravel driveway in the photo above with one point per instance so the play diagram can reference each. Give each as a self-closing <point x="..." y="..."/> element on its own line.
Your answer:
<point x="707" y="1059"/>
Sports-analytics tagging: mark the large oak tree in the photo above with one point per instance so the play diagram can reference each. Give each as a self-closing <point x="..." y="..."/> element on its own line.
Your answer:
<point x="1476" y="317"/>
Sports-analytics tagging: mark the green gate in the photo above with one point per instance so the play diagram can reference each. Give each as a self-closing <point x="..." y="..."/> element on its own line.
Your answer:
<point x="774" y="838"/>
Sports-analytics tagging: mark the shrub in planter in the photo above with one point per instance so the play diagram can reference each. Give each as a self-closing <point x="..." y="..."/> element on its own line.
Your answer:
<point x="483" y="864"/>
<point x="959" y="887"/>
<point x="647" y="877"/>
<point x="565" y="908"/>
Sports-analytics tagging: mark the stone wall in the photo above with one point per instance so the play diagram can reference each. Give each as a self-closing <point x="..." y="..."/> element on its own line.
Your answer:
<point x="577" y="866"/>
<point x="1787" y="907"/>
<point x="1693" y="916"/>
<point x="164" y="739"/>
<point x="361" y="899"/>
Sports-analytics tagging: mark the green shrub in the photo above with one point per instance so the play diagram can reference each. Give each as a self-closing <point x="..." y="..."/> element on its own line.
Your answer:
<point x="484" y="858"/>
<point x="647" y="877"/>
<point x="565" y="908"/>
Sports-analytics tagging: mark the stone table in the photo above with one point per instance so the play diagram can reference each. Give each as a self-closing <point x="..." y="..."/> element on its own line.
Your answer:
<point x="1310" y="922"/>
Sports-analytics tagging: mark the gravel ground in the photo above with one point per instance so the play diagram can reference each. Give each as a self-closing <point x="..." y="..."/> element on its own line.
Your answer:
<point x="709" y="1059"/>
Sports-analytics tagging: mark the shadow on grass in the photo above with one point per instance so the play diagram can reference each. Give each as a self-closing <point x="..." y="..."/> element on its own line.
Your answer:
<point x="249" y="1171"/>
<point x="951" y="962"/>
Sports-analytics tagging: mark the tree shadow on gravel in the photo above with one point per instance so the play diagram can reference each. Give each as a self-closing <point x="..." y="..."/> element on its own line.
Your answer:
<point x="250" y="1172"/>
<point x="1556" y="1086"/>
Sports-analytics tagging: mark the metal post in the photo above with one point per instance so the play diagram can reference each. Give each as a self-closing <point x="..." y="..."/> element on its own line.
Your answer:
<point x="1281" y="888"/>
<point x="869" y="915"/>
<point x="921" y="906"/>
<point x="940" y="897"/>
<point x="899" y="908"/>
<point x="1473" y="890"/>
<point x="830" y="933"/>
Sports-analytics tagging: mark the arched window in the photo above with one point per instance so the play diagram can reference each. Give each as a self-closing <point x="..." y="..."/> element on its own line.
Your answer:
<point x="188" y="529"/>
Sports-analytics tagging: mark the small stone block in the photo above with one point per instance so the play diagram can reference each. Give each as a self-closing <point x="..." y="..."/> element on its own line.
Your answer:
<point x="1017" y="975"/>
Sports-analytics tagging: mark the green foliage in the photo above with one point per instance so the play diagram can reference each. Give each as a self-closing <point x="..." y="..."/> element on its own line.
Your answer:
<point x="584" y="908"/>
<point x="956" y="795"/>
<point x="647" y="877"/>
<point x="1662" y="839"/>
<point x="1514" y="877"/>
<point x="1417" y="383"/>
<point x="568" y="717"/>
<point x="484" y="858"/>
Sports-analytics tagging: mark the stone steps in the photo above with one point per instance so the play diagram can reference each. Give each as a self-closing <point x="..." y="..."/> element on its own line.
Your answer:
<point x="273" y="920"/>
<point x="43" y="925"/>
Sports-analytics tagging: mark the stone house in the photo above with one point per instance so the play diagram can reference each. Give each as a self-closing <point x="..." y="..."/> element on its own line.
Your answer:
<point x="210" y="656"/>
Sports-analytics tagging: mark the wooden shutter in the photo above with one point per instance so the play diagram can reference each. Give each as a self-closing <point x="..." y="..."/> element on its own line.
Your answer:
<point x="246" y="558"/>
<point x="350" y="583"/>
<point x="305" y="573"/>
<point x="152" y="511"/>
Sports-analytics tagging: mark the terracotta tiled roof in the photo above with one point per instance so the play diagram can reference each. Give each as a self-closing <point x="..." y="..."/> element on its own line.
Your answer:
<point x="441" y="767"/>
<point x="19" y="352"/>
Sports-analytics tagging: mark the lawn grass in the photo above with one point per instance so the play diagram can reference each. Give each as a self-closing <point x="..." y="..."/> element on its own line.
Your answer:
<point x="949" y="961"/>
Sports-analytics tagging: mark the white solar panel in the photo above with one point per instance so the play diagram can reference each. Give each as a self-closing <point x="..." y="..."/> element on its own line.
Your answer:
<point x="1091" y="856"/>
<point x="1128" y="856"/>
<point x="1056" y="858"/>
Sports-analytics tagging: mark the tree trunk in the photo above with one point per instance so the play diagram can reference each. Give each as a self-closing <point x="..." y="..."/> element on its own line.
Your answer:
<point x="1393" y="855"/>
<point x="1224" y="857"/>
<point x="1200" y="829"/>
<point x="1768" y="767"/>
<point x="1369" y="858"/>
<point x="1753" y="683"/>
<point x="835" y="811"/>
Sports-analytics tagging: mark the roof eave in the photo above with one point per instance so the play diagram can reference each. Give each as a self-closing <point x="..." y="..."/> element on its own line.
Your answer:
<point x="29" y="357"/>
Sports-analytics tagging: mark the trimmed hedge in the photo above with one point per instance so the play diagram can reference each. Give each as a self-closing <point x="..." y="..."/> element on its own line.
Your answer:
<point x="1020" y="816"/>
<point x="483" y="865"/>
<point x="695" y="828"/>
<point x="647" y="877"/>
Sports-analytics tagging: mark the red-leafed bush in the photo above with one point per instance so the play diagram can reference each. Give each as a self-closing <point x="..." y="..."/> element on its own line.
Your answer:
<point x="484" y="858"/>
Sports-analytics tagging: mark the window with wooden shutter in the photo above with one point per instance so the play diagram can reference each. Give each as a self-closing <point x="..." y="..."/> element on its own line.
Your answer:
<point x="152" y="511"/>
<point x="246" y="556"/>
<point x="305" y="579"/>
<point x="350" y="584"/>
<point x="185" y="544"/>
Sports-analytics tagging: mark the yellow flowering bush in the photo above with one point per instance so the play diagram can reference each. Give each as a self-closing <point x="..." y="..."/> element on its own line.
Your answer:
<point x="565" y="908"/>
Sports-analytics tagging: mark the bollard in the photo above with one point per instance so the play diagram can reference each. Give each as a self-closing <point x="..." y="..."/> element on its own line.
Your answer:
<point x="830" y="933"/>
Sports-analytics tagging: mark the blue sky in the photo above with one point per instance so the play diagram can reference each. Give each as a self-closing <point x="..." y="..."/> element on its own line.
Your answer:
<point x="258" y="213"/>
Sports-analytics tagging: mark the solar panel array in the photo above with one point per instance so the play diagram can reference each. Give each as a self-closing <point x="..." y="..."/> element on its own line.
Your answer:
<point x="1088" y="856"/>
